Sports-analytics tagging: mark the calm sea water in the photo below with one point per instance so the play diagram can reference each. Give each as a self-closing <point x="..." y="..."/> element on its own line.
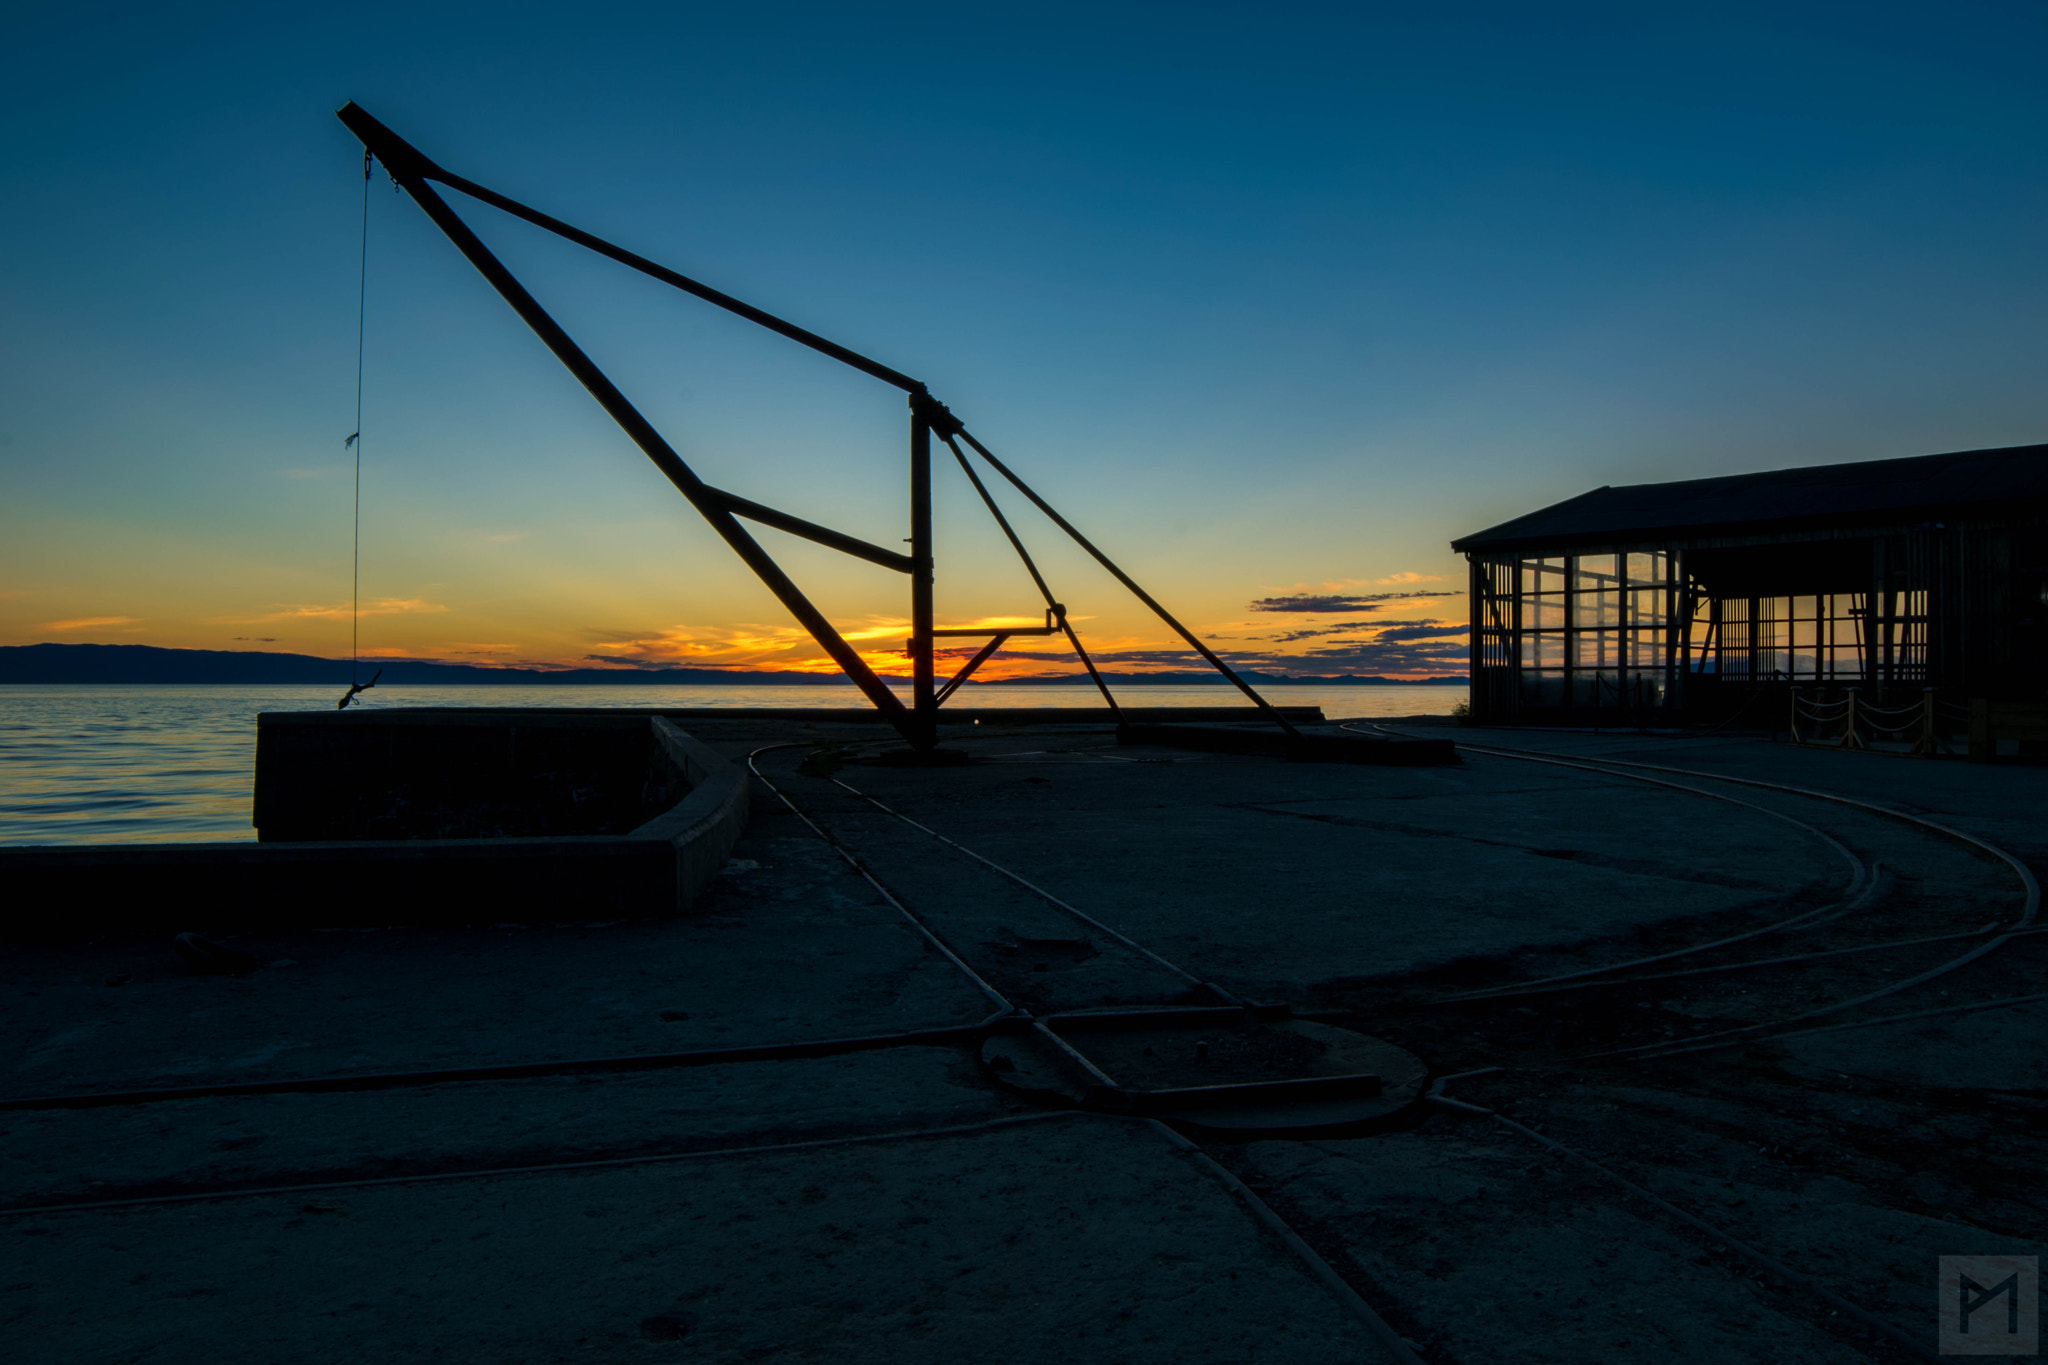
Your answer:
<point x="142" y="764"/>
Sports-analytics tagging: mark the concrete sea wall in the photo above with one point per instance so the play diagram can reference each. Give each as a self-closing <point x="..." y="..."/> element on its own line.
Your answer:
<point x="664" y="809"/>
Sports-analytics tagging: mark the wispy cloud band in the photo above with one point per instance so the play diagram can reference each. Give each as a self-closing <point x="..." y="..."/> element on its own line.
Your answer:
<point x="92" y="623"/>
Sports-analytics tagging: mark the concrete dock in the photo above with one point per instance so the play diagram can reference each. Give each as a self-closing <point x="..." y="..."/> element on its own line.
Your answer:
<point x="896" y="1203"/>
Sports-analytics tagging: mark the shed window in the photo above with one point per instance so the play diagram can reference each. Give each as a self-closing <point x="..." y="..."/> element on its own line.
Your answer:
<point x="1594" y="629"/>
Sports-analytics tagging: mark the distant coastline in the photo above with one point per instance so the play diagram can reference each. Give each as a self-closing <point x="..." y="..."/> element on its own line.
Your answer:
<point x="72" y="664"/>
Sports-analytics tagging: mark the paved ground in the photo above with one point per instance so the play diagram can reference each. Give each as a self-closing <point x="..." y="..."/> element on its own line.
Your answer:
<point x="896" y="1204"/>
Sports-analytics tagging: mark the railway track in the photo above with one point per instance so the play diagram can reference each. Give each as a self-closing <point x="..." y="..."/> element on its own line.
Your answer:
<point x="1556" y="1036"/>
<point x="1920" y="903"/>
<point x="1917" y="902"/>
<point x="1652" y="1064"/>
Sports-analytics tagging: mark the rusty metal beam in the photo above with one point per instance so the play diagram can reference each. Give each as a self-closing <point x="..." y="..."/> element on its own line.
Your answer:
<point x="976" y="632"/>
<point x="1106" y="562"/>
<point x="1055" y="611"/>
<point x="408" y="169"/>
<point x="411" y="170"/>
<point x="394" y="151"/>
<point x="810" y="530"/>
<point x="924" y="697"/>
<point x="981" y="657"/>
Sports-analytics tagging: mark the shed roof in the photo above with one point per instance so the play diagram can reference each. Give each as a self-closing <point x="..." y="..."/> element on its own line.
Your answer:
<point x="1869" y="491"/>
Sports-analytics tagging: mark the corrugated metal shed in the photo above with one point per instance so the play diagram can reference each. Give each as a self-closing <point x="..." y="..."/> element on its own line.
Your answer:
<point x="1875" y="492"/>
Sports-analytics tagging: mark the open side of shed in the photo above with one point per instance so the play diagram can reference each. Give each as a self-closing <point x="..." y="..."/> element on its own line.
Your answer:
<point x="1686" y="602"/>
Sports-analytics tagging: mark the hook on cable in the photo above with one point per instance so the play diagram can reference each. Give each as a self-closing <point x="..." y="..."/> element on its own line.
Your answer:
<point x="354" y="688"/>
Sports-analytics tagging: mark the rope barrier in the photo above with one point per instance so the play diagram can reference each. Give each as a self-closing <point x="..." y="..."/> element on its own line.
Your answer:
<point x="1846" y="722"/>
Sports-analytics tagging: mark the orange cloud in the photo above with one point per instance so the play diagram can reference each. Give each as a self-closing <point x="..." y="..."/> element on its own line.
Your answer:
<point x="383" y="606"/>
<point x="1341" y="585"/>
<point x="878" y="640"/>
<point x="751" y="646"/>
<point x="740" y="645"/>
<point x="92" y="623"/>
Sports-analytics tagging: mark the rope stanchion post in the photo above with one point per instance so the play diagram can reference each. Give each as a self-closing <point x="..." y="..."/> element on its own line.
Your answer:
<point x="1851" y="739"/>
<point x="1930" y="742"/>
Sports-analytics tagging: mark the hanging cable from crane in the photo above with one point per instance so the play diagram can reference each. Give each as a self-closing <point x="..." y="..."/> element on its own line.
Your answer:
<point x="355" y="443"/>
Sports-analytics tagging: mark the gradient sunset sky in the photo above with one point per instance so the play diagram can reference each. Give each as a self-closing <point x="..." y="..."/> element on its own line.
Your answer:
<point x="1271" y="300"/>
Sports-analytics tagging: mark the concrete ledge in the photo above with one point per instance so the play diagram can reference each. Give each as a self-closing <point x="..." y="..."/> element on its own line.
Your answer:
<point x="658" y="868"/>
<point x="1102" y="715"/>
<point x="458" y="774"/>
<point x="703" y="826"/>
<point x="852" y="715"/>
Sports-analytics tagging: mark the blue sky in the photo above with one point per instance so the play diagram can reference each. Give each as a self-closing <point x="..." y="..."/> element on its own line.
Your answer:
<point x="1272" y="300"/>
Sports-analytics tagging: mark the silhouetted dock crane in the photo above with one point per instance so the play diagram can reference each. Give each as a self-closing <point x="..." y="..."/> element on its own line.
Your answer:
<point x="412" y="171"/>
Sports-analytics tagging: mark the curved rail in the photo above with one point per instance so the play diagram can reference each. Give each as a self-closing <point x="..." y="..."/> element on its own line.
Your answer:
<point x="1862" y="885"/>
<point x="2029" y="909"/>
<point x="2032" y="903"/>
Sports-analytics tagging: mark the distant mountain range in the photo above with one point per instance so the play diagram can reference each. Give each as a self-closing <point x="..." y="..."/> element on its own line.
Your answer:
<point x="53" y="663"/>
